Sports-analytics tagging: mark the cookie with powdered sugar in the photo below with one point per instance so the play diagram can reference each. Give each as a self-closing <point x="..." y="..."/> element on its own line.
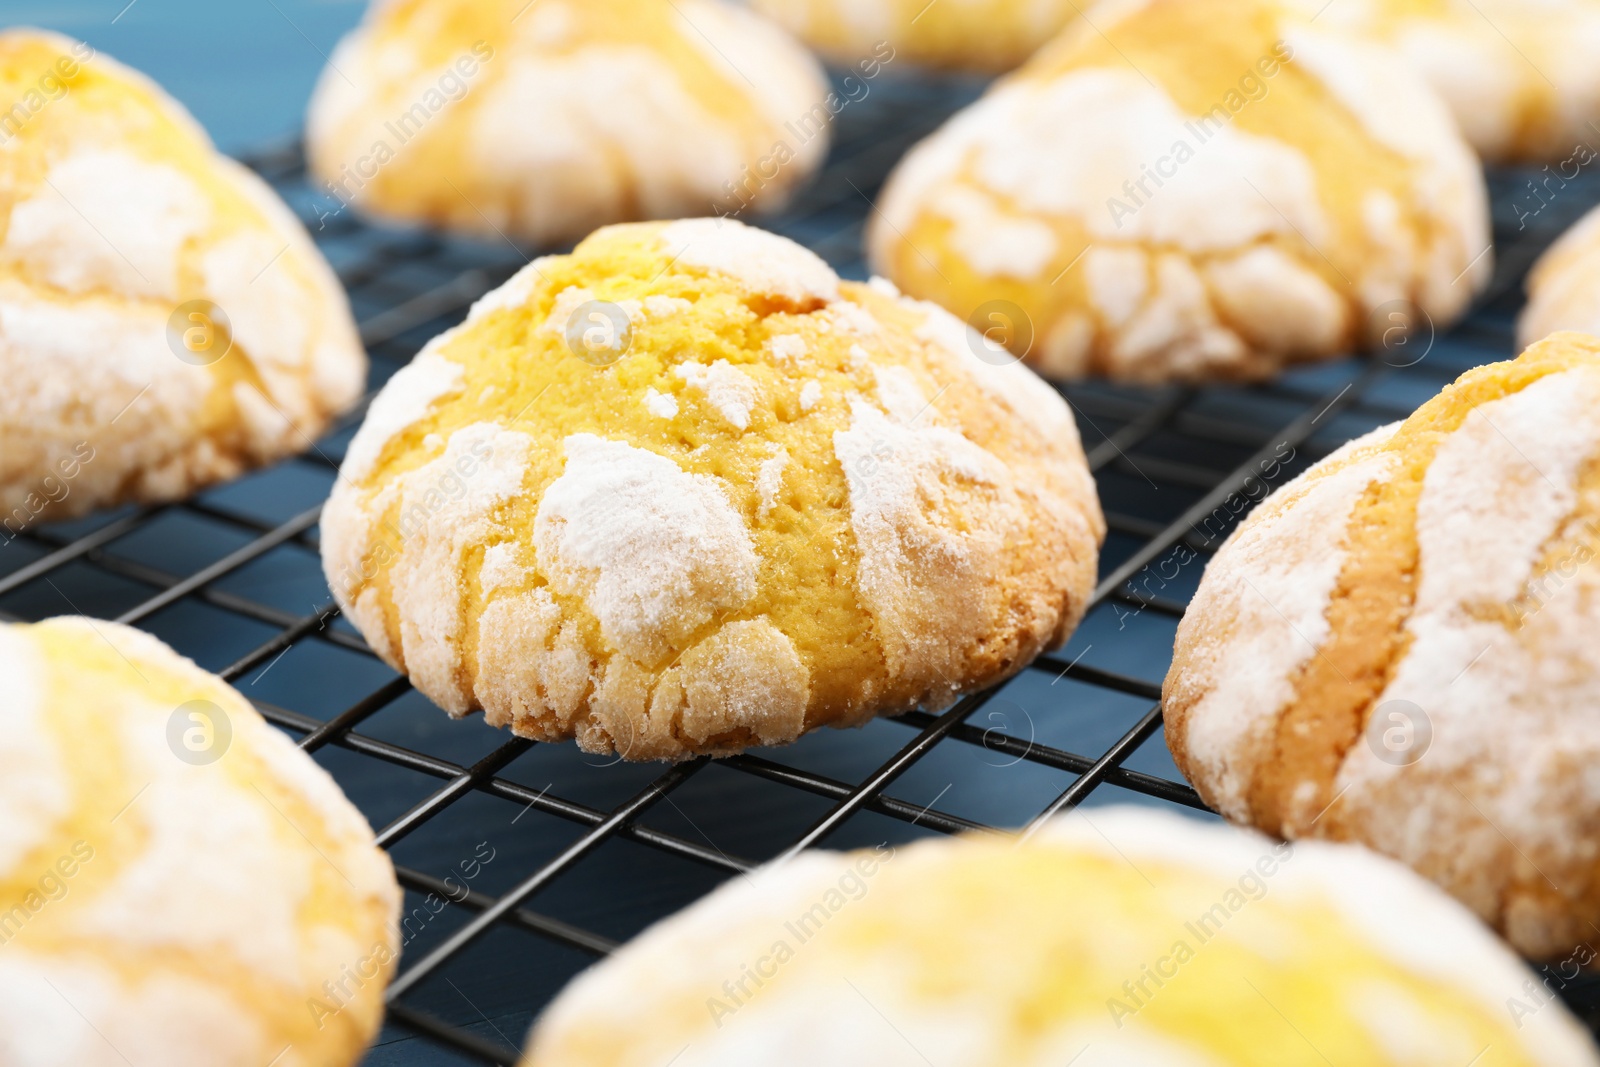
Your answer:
<point x="1564" y="285"/>
<point x="1192" y="190"/>
<point x="541" y="121"/>
<point x="1398" y="649"/>
<point x="1519" y="77"/>
<point x="983" y="36"/>
<point x="179" y="884"/>
<point x="684" y="491"/>
<point x="1125" y="937"/>
<point x="165" y="322"/>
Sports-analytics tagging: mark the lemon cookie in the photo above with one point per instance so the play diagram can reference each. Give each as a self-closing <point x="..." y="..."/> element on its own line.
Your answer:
<point x="545" y="120"/>
<point x="1131" y="938"/>
<point x="1191" y="189"/>
<point x="685" y="491"/>
<point x="1519" y="76"/>
<point x="165" y="322"/>
<point x="179" y="884"/>
<point x="1398" y="649"/>
<point x="1564" y="285"/>
<point x="984" y="36"/>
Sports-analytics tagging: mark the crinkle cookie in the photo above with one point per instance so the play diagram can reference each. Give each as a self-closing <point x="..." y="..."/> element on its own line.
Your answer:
<point x="1399" y="649"/>
<point x="1193" y="190"/>
<point x="1520" y="76"/>
<point x="684" y="491"/>
<point x="984" y="36"/>
<point x="542" y="121"/>
<point x="165" y="323"/>
<point x="179" y="884"/>
<point x="1131" y="938"/>
<point x="1564" y="285"/>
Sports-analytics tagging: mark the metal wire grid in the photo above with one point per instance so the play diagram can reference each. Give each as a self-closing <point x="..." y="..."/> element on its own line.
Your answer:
<point x="1176" y="468"/>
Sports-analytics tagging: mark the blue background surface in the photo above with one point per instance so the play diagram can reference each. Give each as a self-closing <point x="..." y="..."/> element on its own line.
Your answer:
<point x="245" y="68"/>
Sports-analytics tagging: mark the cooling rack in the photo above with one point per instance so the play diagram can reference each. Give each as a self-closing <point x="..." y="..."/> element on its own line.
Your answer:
<point x="523" y="862"/>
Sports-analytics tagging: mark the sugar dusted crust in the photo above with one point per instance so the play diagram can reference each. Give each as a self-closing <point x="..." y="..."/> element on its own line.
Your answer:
<point x="869" y="957"/>
<point x="1564" y="285"/>
<point x="1443" y="571"/>
<point x="542" y="122"/>
<point x="1186" y="191"/>
<point x="1517" y="76"/>
<point x="982" y="36"/>
<point x="118" y="211"/>
<point x="174" y="889"/>
<point x="793" y="502"/>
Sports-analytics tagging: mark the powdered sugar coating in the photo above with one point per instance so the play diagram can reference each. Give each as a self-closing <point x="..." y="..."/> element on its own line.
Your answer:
<point x="1527" y="449"/>
<point x="1113" y="121"/>
<point x="82" y="234"/>
<point x="1402" y="116"/>
<point x="1514" y="74"/>
<point x="763" y="263"/>
<point x="447" y="527"/>
<point x="1012" y="384"/>
<point x="411" y="393"/>
<point x="543" y="124"/>
<point x="790" y="348"/>
<point x="1562" y="285"/>
<point x="744" y="975"/>
<point x="810" y="396"/>
<point x="769" y="483"/>
<point x="1500" y="491"/>
<point x="790" y="504"/>
<point x="995" y="244"/>
<point x="661" y="405"/>
<point x="727" y="389"/>
<point x="50" y="1024"/>
<point x="119" y="213"/>
<point x="655" y="552"/>
<point x="1132" y="217"/>
<point x="30" y="761"/>
<point x="913" y="566"/>
<point x="1394" y="912"/>
<point x="1264" y="608"/>
<point x="283" y="887"/>
<point x="982" y="36"/>
<point x="1471" y="746"/>
<point x="747" y="678"/>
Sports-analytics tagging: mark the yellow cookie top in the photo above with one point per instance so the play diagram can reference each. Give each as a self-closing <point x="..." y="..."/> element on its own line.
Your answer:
<point x="178" y="882"/>
<point x="1398" y="649"/>
<point x="545" y="120"/>
<point x="1519" y="76"/>
<point x="1125" y="937"/>
<point x="987" y="36"/>
<point x="1193" y="189"/>
<point x="685" y="491"/>
<point x="167" y="322"/>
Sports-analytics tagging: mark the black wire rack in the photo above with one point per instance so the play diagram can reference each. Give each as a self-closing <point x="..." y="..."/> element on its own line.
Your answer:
<point x="523" y="863"/>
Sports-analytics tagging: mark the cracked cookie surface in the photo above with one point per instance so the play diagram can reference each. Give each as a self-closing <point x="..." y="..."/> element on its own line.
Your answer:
<point x="787" y="501"/>
<point x="179" y="884"/>
<point x="116" y="216"/>
<point x="1397" y="649"/>
<point x="1192" y="190"/>
<point x="1564" y="285"/>
<point x="982" y="36"/>
<point x="1519" y="78"/>
<point x="543" y="121"/>
<point x="1151" y="939"/>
